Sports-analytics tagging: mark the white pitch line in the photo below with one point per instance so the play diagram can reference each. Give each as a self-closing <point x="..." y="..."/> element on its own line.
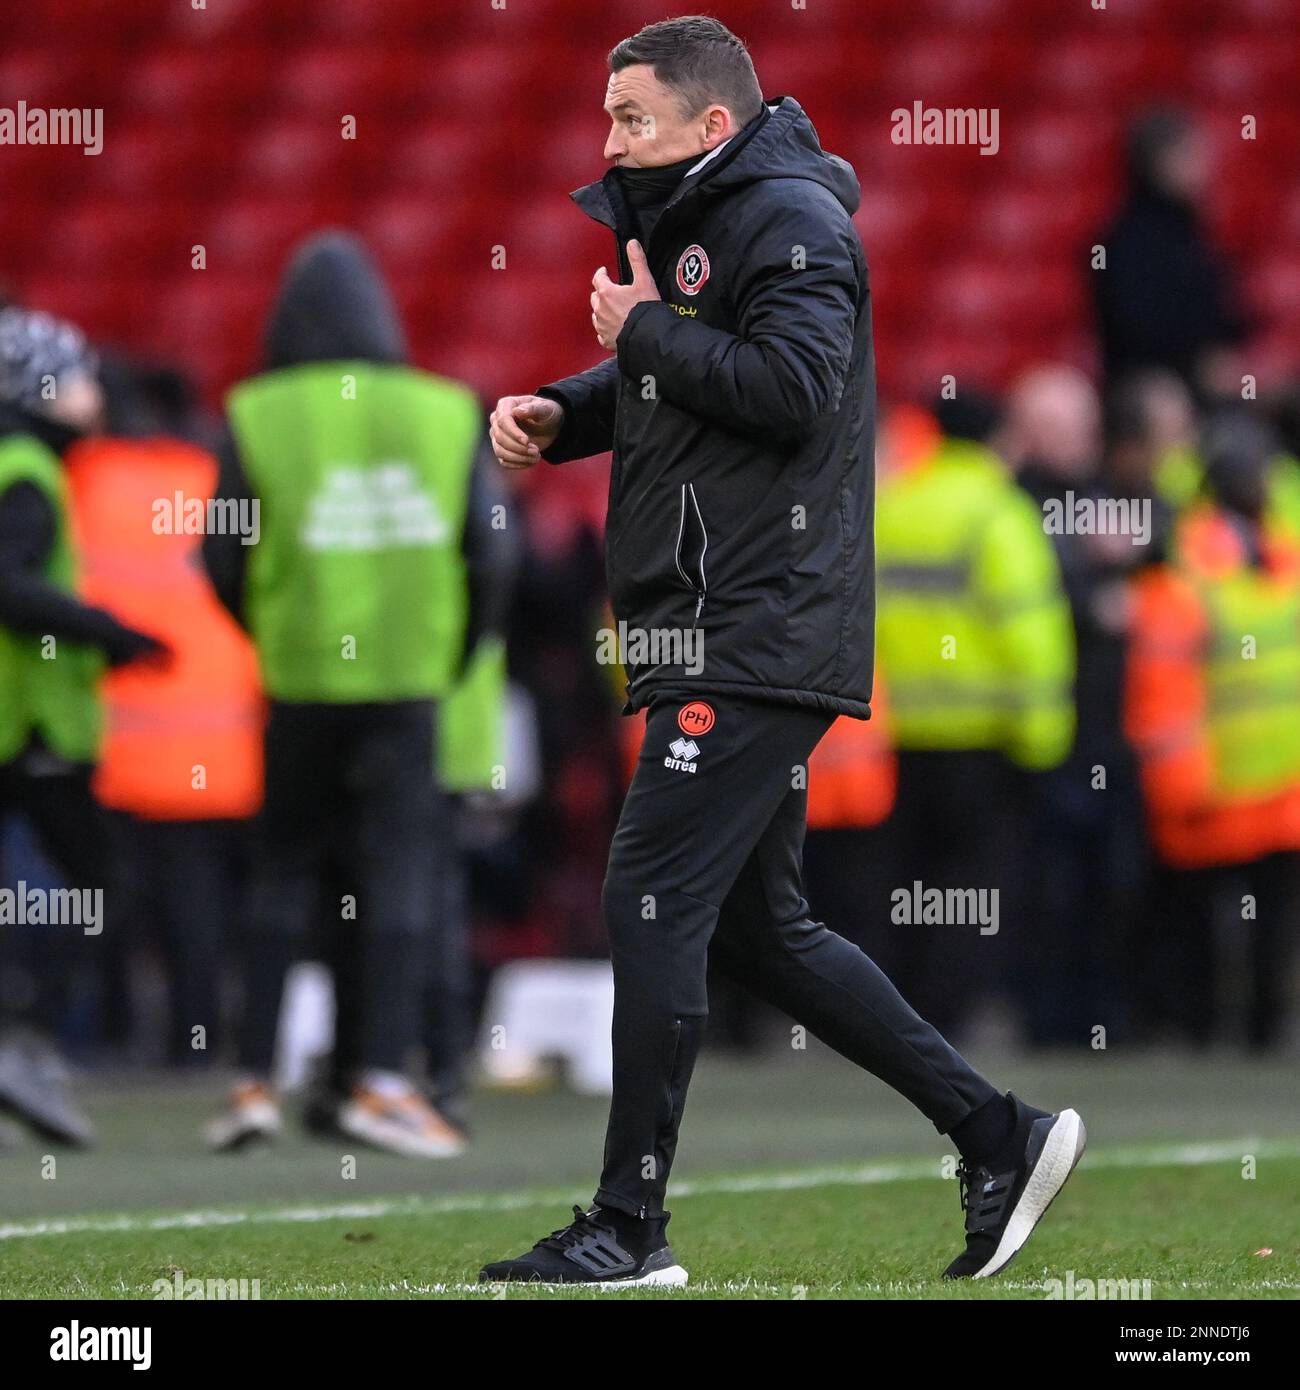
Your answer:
<point x="1155" y="1156"/>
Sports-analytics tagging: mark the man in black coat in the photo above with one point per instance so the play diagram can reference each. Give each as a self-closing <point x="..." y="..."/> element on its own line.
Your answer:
<point x="1166" y="297"/>
<point x="739" y="408"/>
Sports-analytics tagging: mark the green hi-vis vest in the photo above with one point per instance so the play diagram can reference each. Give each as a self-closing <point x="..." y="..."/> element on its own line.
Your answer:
<point x="1253" y="682"/>
<point x="1180" y="476"/>
<point x="973" y="630"/>
<point x="471" y="722"/>
<point x="48" y="686"/>
<point x="356" y="589"/>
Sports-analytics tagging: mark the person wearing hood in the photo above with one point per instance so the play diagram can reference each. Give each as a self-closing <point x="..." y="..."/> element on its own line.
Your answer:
<point x="1165" y="298"/>
<point x="53" y="648"/>
<point x="376" y="569"/>
<point x="739" y="405"/>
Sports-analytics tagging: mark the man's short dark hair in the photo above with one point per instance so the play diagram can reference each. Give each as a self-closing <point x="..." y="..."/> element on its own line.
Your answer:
<point x="699" y="60"/>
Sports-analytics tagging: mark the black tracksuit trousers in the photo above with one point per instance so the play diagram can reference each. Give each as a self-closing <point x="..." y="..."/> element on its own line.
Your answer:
<point x="352" y="807"/>
<point x="705" y="864"/>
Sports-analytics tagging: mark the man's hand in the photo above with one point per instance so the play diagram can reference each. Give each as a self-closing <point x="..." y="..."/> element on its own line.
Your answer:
<point x="611" y="303"/>
<point x="522" y="426"/>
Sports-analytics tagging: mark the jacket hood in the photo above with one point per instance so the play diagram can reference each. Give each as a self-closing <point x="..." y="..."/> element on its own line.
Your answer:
<point x="780" y="143"/>
<point x="785" y="145"/>
<point x="333" y="306"/>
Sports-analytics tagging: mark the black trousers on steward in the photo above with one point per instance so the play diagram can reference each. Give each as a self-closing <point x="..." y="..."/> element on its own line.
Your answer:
<point x="705" y="865"/>
<point x="352" y="807"/>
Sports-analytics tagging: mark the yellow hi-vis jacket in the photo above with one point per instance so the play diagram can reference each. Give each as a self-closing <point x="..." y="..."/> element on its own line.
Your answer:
<point x="973" y="629"/>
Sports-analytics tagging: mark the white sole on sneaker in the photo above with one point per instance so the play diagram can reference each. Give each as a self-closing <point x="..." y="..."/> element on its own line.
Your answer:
<point x="674" y="1277"/>
<point x="358" y="1123"/>
<point x="260" y="1121"/>
<point x="1061" y="1152"/>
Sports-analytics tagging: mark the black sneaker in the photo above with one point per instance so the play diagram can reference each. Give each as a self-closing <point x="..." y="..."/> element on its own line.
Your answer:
<point x="591" y="1251"/>
<point x="1004" y="1202"/>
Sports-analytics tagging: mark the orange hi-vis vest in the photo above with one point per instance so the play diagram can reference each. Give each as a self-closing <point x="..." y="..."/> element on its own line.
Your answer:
<point x="1212" y="697"/>
<point x="184" y="742"/>
<point x="852" y="774"/>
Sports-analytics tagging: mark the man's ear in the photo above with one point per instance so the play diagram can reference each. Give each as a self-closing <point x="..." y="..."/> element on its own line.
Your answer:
<point x="718" y="126"/>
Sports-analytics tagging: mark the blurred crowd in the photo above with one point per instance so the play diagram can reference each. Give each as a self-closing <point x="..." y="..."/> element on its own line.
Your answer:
<point x="1089" y="701"/>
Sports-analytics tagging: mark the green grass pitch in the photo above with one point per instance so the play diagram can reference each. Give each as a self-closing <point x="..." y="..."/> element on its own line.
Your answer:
<point x="798" y="1179"/>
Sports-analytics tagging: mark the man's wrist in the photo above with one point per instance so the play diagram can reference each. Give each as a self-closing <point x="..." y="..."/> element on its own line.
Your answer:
<point x="623" y="344"/>
<point x="548" y="393"/>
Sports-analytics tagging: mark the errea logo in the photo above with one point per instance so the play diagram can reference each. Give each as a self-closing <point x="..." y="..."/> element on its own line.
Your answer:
<point x="682" y="753"/>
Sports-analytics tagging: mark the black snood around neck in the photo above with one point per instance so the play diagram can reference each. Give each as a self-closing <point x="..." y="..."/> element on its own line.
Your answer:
<point x="648" y="187"/>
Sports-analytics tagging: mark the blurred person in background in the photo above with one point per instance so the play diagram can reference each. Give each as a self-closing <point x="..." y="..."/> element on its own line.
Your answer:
<point x="853" y="773"/>
<point x="1283" y="407"/>
<point x="1085" y="866"/>
<point x="1163" y="400"/>
<point x="973" y="630"/>
<point x="471" y="771"/>
<point x="1167" y="404"/>
<point x="740" y="409"/>
<point x="181" y="764"/>
<point x="852" y="783"/>
<point x="359" y="595"/>
<point x="1148" y="421"/>
<point x="53" y="649"/>
<point x="1165" y="297"/>
<point x="1212" y="706"/>
<point x="560" y="600"/>
<point x="473" y="760"/>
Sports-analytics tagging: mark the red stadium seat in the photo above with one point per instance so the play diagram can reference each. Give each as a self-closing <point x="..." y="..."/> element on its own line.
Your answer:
<point x="1274" y="289"/>
<point x="254" y="232"/>
<point x="222" y="128"/>
<point x="412" y="232"/>
<point x="440" y="157"/>
<point x="1248" y="69"/>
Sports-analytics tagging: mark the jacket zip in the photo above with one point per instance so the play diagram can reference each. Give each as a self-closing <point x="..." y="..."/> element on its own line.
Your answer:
<point x="702" y="588"/>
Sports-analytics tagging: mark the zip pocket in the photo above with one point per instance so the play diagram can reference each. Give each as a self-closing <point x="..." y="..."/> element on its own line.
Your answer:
<point x="690" y="565"/>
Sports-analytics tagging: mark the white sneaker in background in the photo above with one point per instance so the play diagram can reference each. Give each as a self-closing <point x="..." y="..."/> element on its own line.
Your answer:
<point x="387" y="1112"/>
<point x="252" y="1113"/>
